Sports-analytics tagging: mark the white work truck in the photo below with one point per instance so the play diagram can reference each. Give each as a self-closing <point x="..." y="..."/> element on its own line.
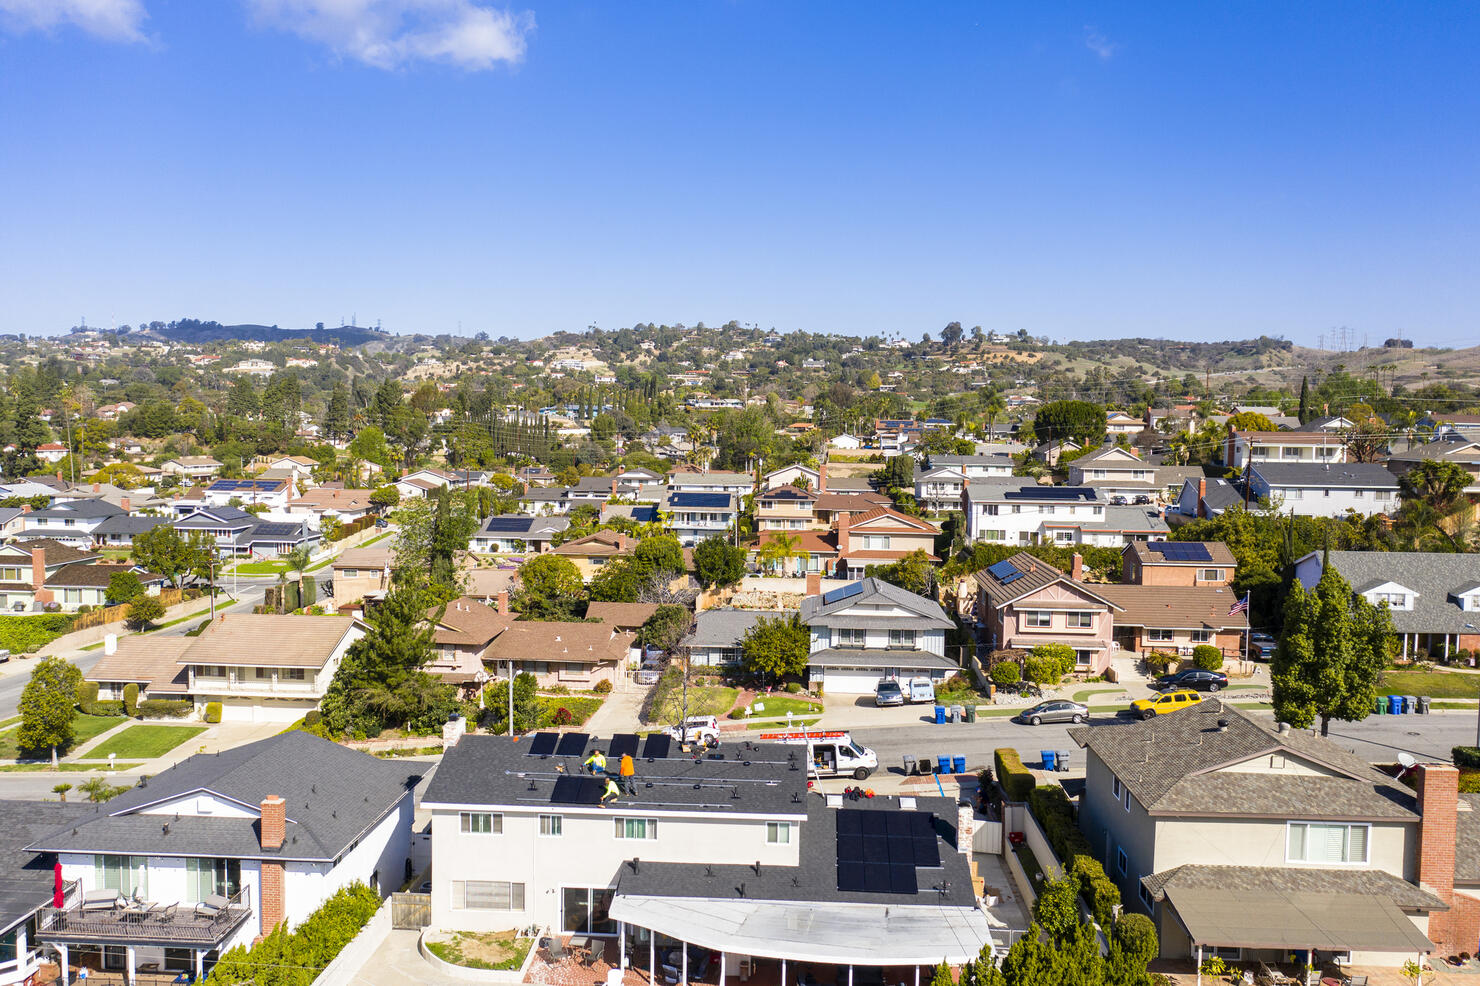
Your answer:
<point x="830" y="753"/>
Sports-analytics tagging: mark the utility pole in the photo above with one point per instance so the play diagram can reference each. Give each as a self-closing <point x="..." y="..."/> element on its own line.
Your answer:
<point x="511" y="697"/>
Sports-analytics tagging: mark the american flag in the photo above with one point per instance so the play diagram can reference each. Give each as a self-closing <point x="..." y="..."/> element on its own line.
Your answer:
<point x="1241" y="606"/>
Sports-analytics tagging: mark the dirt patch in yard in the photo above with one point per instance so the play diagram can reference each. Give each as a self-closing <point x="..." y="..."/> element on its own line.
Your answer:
<point x="480" y="950"/>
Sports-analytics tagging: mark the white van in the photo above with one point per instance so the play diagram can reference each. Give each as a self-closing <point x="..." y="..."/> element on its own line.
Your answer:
<point x="830" y="753"/>
<point x="922" y="690"/>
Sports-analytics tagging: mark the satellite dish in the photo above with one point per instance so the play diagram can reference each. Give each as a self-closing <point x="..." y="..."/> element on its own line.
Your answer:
<point x="1407" y="761"/>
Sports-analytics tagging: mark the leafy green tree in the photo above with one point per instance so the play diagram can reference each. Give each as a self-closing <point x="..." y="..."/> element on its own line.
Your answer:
<point x="1047" y="664"/>
<point x="336" y="413"/>
<point x="665" y="628"/>
<point x="717" y="562"/>
<point x="1436" y="483"/>
<point x="913" y="573"/>
<point x="380" y="682"/>
<point x="1251" y="421"/>
<point x="660" y="553"/>
<point x="526" y="703"/>
<point x="549" y="588"/>
<point x="385" y="496"/>
<point x="299" y="558"/>
<point x="163" y="551"/>
<point x="982" y="970"/>
<point x="1080" y="421"/>
<point x="47" y="707"/>
<point x="1057" y="908"/>
<point x="615" y="582"/>
<point x="776" y="648"/>
<point x="1305" y="413"/>
<point x="242" y="402"/>
<point x="942" y="976"/>
<point x="99" y="790"/>
<point x="122" y="587"/>
<point x="369" y="446"/>
<point x="1331" y="654"/>
<point x="144" y="611"/>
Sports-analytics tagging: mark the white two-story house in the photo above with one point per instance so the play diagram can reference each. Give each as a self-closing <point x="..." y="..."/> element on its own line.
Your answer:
<point x="870" y="629"/>
<point x="1325" y="491"/>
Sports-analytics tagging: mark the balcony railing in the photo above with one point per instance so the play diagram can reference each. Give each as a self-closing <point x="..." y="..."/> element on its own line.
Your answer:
<point x="136" y="923"/>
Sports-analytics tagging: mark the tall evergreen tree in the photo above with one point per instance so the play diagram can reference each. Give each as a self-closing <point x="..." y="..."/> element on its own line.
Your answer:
<point x="1331" y="653"/>
<point x="380" y="682"/>
<point x="336" y="415"/>
<point x="1304" y="412"/>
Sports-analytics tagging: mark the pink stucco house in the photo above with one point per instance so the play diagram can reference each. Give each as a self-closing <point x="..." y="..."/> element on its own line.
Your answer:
<point x="1023" y="602"/>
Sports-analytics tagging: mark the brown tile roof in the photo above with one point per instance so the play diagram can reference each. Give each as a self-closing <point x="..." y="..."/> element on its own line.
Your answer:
<point x="621" y="614"/>
<point x="327" y="499"/>
<point x="812" y="542"/>
<point x="153" y="661"/>
<point x="372" y="557"/>
<point x="563" y="643"/>
<point x="1220" y="556"/>
<point x="599" y="544"/>
<point x="82" y="576"/>
<point x="1033" y="574"/>
<point x="859" y="502"/>
<point x="905" y="524"/>
<point x="1190" y="607"/>
<point x="467" y="622"/>
<point x="269" y="640"/>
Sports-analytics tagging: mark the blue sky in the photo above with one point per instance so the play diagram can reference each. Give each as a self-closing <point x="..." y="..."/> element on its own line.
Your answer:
<point x="1185" y="170"/>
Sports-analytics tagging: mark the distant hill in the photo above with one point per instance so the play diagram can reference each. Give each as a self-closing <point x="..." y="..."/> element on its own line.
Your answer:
<point x="194" y="330"/>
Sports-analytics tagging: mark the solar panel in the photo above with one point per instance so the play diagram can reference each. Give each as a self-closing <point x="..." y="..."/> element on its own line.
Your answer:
<point x="927" y="851"/>
<point x="1181" y="550"/>
<point x="571" y="745"/>
<point x="623" y="745"/>
<point x="850" y="848"/>
<point x="838" y="595"/>
<point x="656" y="747"/>
<point x="1002" y="570"/>
<point x="543" y="744"/>
<point x="873" y="823"/>
<point x="876" y="878"/>
<point x="850" y="822"/>
<point x="714" y="500"/>
<point x="510" y="524"/>
<point x="902" y="851"/>
<point x="572" y="790"/>
<point x="850" y="876"/>
<point x="1050" y="493"/>
<point x="902" y="879"/>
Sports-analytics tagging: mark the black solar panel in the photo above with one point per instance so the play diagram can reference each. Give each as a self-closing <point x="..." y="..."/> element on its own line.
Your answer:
<point x="876" y="878"/>
<point x="543" y="744"/>
<point x="850" y="822"/>
<point x="699" y="500"/>
<point x="623" y="745"/>
<point x="850" y="848"/>
<point x="1181" y="550"/>
<point x="1003" y="570"/>
<point x="897" y="823"/>
<point x="873" y="823"/>
<point x="845" y="592"/>
<point x="1051" y="493"/>
<point x="510" y="525"/>
<point x="927" y="851"/>
<point x="902" y="879"/>
<point x="576" y="790"/>
<point x="902" y="851"/>
<point x="656" y="746"/>
<point x="571" y="745"/>
<point x="850" y="876"/>
<point x="878" y="851"/>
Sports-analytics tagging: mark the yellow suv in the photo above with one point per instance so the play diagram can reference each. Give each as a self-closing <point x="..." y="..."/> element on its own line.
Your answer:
<point x="1162" y="704"/>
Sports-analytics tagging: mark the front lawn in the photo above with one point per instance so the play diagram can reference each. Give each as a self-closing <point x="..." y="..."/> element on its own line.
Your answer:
<point x="84" y="728"/>
<point x="777" y="706"/>
<point x="144" y="741"/>
<point x="579" y="707"/>
<point x="1435" y="684"/>
<point x="259" y="568"/>
<point x="704" y="700"/>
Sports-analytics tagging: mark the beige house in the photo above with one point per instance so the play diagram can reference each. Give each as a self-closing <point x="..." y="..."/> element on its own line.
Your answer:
<point x="361" y="573"/>
<point x="1257" y="844"/>
<point x="880" y="537"/>
<point x="192" y="467"/>
<point x="593" y="551"/>
<point x="575" y="655"/>
<point x="462" y="631"/>
<point x="1185" y="563"/>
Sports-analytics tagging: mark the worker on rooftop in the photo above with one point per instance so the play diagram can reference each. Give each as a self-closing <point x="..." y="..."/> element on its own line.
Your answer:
<point x="596" y="762"/>
<point x="628" y="770"/>
<point x="611" y="793"/>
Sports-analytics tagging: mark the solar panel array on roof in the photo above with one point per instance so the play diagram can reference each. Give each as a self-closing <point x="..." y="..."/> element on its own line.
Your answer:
<point x="1050" y="493"/>
<point x="571" y="745"/>
<point x="656" y="746"/>
<point x="226" y="485"/>
<point x="1181" y="550"/>
<point x="838" y="595"/>
<point x="577" y="790"/>
<point x="699" y="500"/>
<point x="647" y="514"/>
<point x="509" y="524"/>
<point x="543" y="744"/>
<point x="1004" y="572"/>
<point x="623" y="745"/>
<point x="879" y="851"/>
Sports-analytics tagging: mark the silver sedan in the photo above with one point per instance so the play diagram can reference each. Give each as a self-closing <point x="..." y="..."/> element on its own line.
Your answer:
<point x="1057" y="710"/>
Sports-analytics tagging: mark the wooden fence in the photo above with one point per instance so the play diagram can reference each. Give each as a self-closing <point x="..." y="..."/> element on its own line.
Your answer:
<point x="115" y="614"/>
<point x="411" y="911"/>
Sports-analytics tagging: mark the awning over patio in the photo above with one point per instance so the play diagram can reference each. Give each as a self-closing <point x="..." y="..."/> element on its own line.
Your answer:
<point x="1295" y="920"/>
<point x="835" y="933"/>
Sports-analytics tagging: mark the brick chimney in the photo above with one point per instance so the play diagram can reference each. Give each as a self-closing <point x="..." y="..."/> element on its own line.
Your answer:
<point x="38" y="567"/>
<point x="25" y="508"/>
<point x="1076" y="571"/>
<point x="272" y="832"/>
<point x="502" y="605"/>
<point x="614" y="486"/>
<point x="822" y="478"/>
<point x="1202" y="492"/>
<point x="1438" y="809"/>
<point x="125" y="504"/>
<point x="844" y="518"/>
<point x="97" y="487"/>
<point x="274" y="822"/>
<point x="814" y="583"/>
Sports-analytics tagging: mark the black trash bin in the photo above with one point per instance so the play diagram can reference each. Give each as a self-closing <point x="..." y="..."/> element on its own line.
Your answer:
<point x="1423" y="705"/>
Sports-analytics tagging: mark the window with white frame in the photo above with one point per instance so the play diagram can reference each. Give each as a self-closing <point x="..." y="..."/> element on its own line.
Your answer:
<point x="851" y="636"/>
<point x="1160" y="635"/>
<point x="1125" y="799"/>
<point x="636" y="828"/>
<point x="1326" y="842"/>
<point x="1201" y="636"/>
<point x="778" y="833"/>
<point x="902" y="638"/>
<point x="1121" y="863"/>
<point x="1395" y="600"/>
<point x="481" y="822"/>
<point x="1037" y="618"/>
<point x="1079" y="620"/>
<point x="551" y="825"/>
<point x="876" y="542"/>
<point x="1211" y="575"/>
<point x="487" y="895"/>
<point x="1115" y="787"/>
<point x="1145" y="896"/>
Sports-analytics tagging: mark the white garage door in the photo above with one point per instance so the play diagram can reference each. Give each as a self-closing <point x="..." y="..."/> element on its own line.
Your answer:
<point x="845" y="681"/>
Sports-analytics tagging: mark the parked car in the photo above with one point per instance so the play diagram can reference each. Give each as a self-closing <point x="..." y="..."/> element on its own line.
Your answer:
<point x="922" y="690"/>
<point x="1143" y="499"/>
<point x="1261" y="647"/>
<point x="1119" y="500"/>
<point x="696" y="729"/>
<point x="1203" y="681"/>
<point x="888" y="692"/>
<point x="1147" y="708"/>
<point x="1060" y="710"/>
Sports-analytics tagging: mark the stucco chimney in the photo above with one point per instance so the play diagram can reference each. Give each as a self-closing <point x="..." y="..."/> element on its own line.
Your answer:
<point x="126" y="504"/>
<point x="110" y="643"/>
<point x="1076" y="571"/>
<point x="503" y="602"/>
<point x="274" y="822"/>
<point x="844" y="517"/>
<point x="1438" y="809"/>
<point x="814" y="583"/>
<point x="614" y="486"/>
<point x="1202" y="492"/>
<point x="25" y="508"/>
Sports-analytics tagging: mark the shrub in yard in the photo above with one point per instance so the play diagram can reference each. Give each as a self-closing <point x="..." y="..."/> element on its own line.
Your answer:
<point x="311" y="718"/>
<point x="1046" y="664"/>
<point x="1136" y="936"/>
<point x="1158" y="661"/>
<point x="1016" y="780"/>
<point x="164" y="708"/>
<point x="603" y="687"/>
<point x="131" y="698"/>
<point x="793" y="688"/>
<point x="213" y="712"/>
<point x="1207" y="657"/>
<point x="1466" y="757"/>
<point x="563" y="717"/>
<point x="1005" y="674"/>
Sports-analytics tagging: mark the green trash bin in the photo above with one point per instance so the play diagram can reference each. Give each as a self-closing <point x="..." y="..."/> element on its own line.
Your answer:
<point x="971" y="713"/>
<point x="1382" y="705"/>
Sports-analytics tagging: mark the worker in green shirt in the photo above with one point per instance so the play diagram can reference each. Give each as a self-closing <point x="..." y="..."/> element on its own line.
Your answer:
<point x="612" y="792"/>
<point x="596" y="762"/>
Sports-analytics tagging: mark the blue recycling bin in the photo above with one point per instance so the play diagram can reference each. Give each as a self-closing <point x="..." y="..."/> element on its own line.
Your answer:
<point x="1410" y="703"/>
<point x="940" y="715"/>
<point x="958" y="765"/>
<point x="1048" y="759"/>
<point x="943" y="764"/>
<point x="1395" y="704"/>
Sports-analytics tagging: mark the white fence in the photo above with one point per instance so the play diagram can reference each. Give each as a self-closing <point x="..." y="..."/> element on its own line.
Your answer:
<point x="352" y="958"/>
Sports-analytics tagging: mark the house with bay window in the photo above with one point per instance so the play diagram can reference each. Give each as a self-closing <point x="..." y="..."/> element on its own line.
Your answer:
<point x="869" y="630"/>
<point x="693" y="868"/>
<point x="220" y="849"/>
<point x="1255" y="842"/>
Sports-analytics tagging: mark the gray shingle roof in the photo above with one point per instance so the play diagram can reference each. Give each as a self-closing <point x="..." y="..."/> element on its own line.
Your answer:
<point x="26" y="876"/>
<point x="1467" y="842"/>
<point x="334" y="795"/>
<point x="817" y="611"/>
<point x="1433" y="575"/>
<point x="1295" y="879"/>
<point x="1166" y="762"/>
<point x="725" y="627"/>
<point x="847" y="657"/>
<point x="1342" y="475"/>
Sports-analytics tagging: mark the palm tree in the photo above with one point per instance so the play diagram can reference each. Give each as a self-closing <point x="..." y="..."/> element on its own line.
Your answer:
<point x="299" y="558"/>
<point x="780" y="549"/>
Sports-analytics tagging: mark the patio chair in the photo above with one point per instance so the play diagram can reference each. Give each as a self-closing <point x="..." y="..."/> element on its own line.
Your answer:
<point x="596" y="953"/>
<point x="211" y="906"/>
<point x="1354" y="981"/>
<point x="554" y="948"/>
<point x="1273" y="977"/>
<point x="100" y="900"/>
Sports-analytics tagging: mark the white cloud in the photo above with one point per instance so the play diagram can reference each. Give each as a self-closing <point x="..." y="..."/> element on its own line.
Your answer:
<point x="112" y="20"/>
<point x="1099" y="44"/>
<point x="390" y="33"/>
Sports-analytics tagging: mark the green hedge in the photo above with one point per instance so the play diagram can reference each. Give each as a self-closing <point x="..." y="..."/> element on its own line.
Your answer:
<point x="295" y="958"/>
<point x="213" y="712"/>
<point x="25" y="634"/>
<point x="310" y="591"/>
<point x="1016" y="780"/>
<point x="1051" y="806"/>
<point x="164" y="708"/>
<point x="131" y="698"/>
<point x="1466" y="757"/>
<point x="87" y="701"/>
